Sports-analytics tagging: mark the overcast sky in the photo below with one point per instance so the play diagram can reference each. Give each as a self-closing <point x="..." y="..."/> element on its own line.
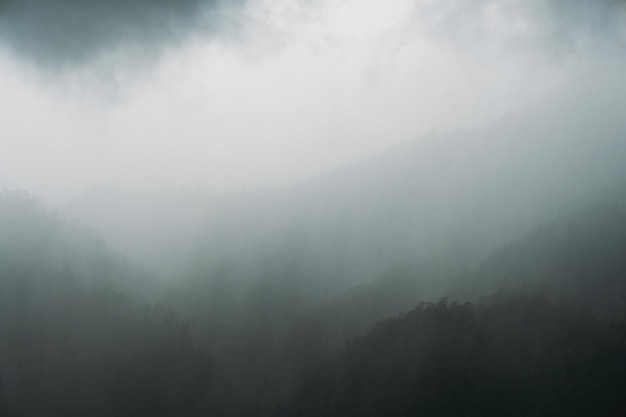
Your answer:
<point x="227" y="95"/>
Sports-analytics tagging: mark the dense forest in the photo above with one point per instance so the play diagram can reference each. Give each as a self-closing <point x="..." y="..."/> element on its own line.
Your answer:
<point x="512" y="355"/>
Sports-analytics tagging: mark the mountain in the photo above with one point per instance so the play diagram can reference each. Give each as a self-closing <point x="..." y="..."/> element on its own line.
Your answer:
<point x="76" y="335"/>
<point x="577" y="260"/>
<point x="37" y="244"/>
<point x="442" y="201"/>
<point x="432" y="208"/>
<point x="157" y="230"/>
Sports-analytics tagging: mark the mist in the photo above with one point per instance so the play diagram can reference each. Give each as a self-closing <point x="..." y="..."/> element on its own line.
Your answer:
<point x="318" y="86"/>
<point x="213" y="207"/>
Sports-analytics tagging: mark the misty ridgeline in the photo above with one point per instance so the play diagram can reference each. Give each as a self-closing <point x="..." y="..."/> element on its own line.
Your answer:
<point x="473" y="273"/>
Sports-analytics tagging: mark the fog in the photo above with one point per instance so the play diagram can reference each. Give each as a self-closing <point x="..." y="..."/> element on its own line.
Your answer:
<point x="213" y="207"/>
<point x="278" y="93"/>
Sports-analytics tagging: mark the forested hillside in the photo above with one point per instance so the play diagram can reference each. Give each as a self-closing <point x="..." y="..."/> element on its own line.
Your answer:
<point x="75" y="340"/>
<point x="514" y="356"/>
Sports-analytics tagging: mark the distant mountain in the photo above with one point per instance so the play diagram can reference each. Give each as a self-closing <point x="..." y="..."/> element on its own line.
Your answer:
<point x="158" y="230"/>
<point x="38" y="246"/>
<point x="442" y="201"/>
<point x="578" y="260"/>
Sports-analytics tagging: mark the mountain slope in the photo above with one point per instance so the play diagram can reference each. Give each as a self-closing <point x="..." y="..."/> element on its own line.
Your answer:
<point x="36" y="244"/>
<point x="578" y="260"/>
<point x="444" y="200"/>
<point x="74" y="341"/>
<point x="441" y="201"/>
<point x="517" y="357"/>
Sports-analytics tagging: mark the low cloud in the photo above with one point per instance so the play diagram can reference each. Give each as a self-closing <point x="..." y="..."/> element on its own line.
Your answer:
<point x="555" y="27"/>
<point x="66" y="33"/>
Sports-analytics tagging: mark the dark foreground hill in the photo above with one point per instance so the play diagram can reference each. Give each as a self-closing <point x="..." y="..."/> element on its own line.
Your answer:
<point x="518" y="356"/>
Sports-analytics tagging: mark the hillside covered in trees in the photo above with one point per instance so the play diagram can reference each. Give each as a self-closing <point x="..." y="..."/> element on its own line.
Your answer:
<point x="513" y="355"/>
<point x="77" y="336"/>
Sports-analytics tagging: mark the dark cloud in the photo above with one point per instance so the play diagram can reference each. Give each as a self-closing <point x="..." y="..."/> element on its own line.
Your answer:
<point x="70" y="32"/>
<point x="62" y="33"/>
